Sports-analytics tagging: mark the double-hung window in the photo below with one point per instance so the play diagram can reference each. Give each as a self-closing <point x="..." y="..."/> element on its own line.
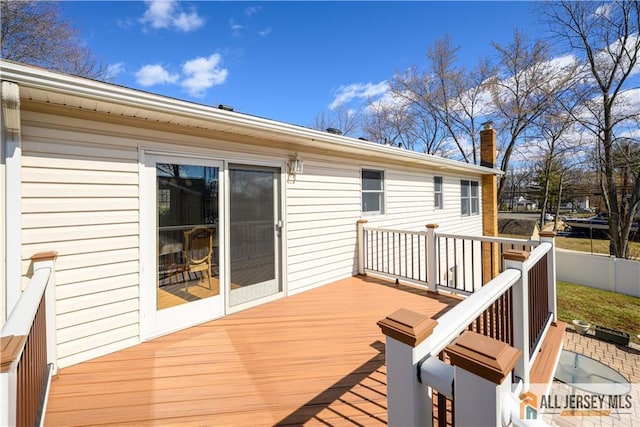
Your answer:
<point x="372" y="191"/>
<point x="469" y="198"/>
<point x="437" y="192"/>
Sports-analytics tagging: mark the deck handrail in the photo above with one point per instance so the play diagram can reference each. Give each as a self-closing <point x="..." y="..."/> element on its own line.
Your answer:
<point x="29" y="348"/>
<point x="22" y="315"/>
<point x="433" y="260"/>
<point x="395" y="230"/>
<point x="456" y="320"/>
<point x="490" y="239"/>
<point x="515" y="307"/>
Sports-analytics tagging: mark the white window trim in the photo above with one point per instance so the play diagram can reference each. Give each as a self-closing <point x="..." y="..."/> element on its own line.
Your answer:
<point x="441" y="192"/>
<point x="470" y="184"/>
<point x="383" y="211"/>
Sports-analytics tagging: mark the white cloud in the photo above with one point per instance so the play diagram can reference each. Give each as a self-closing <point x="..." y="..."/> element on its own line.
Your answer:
<point x="360" y="91"/>
<point x="252" y="10"/>
<point x="188" y="21"/>
<point x="236" y="29"/>
<point x="167" y="14"/>
<point x="203" y="73"/>
<point x="154" y="74"/>
<point x="604" y="10"/>
<point x="114" y="70"/>
<point x="265" y="32"/>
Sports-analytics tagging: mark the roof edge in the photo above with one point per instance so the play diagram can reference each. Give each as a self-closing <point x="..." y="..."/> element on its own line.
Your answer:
<point x="43" y="79"/>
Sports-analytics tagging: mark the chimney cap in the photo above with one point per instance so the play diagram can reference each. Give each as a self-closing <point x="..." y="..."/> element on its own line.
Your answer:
<point x="487" y="125"/>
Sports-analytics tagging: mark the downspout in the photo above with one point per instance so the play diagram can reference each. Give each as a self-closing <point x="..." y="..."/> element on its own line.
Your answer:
<point x="11" y="195"/>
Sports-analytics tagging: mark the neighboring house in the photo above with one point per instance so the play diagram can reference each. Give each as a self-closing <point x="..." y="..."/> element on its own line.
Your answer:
<point x="581" y="203"/>
<point x="115" y="179"/>
<point x="519" y="228"/>
<point x="520" y="204"/>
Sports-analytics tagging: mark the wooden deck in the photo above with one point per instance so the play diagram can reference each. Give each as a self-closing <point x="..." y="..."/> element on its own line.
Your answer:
<point x="316" y="358"/>
<point x="545" y="364"/>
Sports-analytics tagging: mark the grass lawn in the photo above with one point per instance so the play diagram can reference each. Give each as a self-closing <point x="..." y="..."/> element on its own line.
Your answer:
<point x="599" y="307"/>
<point x="599" y="246"/>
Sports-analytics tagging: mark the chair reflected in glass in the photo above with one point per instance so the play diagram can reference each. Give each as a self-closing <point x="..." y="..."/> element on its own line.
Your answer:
<point x="198" y="252"/>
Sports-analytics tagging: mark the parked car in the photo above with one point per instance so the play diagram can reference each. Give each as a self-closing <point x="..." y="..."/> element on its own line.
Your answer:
<point x="549" y="217"/>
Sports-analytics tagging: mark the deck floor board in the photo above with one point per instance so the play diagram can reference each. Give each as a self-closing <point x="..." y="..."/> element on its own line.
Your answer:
<point x="316" y="358"/>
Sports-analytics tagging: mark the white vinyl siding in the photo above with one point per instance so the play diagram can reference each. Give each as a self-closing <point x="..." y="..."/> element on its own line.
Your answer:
<point x="323" y="205"/>
<point x="80" y="198"/>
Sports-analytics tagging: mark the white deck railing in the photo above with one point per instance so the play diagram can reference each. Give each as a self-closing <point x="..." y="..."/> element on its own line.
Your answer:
<point x="29" y="348"/>
<point x="516" y="307"/>
<point x="431" y="259"/>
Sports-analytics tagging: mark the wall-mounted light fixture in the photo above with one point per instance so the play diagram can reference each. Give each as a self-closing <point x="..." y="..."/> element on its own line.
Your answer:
<point x="295" y="165"/>
<point x="11" y="109"/>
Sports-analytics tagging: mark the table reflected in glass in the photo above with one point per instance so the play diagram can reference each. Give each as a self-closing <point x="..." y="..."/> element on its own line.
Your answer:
<point x="590" y="375"/>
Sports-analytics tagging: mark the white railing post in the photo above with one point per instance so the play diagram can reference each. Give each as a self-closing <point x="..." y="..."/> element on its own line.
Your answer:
<point x="47" y="260"/>
<point x="432" y="258"/>
<point x="515" y="260"/>
<point x="549" y="236"/>
<point x="482" y="379"/>
<point x="361" y="248"/>
<point x="408" y="401"/>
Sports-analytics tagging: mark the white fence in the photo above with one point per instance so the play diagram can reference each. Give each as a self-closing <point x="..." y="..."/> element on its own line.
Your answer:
<point x="599" y="271"/>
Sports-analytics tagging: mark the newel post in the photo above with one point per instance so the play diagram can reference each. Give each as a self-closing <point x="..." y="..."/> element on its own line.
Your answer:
<point x="550" y="237"/>
<point x="482" y="380"/>
<point x="432" y="258"/>
<point x="515" y="260"/>
<point x="47" y="260"/>
<point x="408" y="401"/>
<point x="361" y="247"/>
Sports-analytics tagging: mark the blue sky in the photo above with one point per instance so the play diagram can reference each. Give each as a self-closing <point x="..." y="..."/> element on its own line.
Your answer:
<point x="286" y="61"/>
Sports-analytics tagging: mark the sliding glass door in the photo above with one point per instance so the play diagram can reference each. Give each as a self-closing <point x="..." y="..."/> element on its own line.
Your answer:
<point x="254" y="233"/>
<point x="186" y="238"/>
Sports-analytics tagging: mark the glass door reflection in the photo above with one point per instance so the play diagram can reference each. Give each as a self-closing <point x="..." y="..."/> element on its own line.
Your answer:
<point x="254" y="233"/>
<point x="187" y="214"/>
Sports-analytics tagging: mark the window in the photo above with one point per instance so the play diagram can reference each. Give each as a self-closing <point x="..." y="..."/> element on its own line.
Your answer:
<point x="469" y="198"/>
<point x="437" y="192"/>
<point x="372" y="191"/>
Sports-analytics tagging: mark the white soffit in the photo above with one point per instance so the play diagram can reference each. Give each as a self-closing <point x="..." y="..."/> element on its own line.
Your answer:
<point x="48" y="87"/>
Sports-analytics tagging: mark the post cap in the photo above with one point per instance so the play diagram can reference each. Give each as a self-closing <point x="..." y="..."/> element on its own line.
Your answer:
<point x="362" y="221"/>
<point x="483" y="356"/>
<point x="44" y="256"/>
<point x="432" y="225"/>
<point x="551" y="234"/>
<point x="515" y="255"/>
<point x="408" y="327"/>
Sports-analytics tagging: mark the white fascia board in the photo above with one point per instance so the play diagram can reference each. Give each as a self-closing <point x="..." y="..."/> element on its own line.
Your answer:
<point x="228" y="121"/>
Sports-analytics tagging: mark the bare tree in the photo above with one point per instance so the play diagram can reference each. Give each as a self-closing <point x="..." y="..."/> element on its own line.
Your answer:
<point x="448" y="93"/>
<point x="34" y="32"/>
<point x="388" y="123"/>
<point x="558" y="141"/>
<point x="606" y="35"/>
<point x="524" y="88"/>
<point x="347" y="120"/>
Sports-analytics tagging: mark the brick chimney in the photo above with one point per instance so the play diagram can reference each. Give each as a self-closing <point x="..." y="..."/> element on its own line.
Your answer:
<point x="490" y="256"/>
